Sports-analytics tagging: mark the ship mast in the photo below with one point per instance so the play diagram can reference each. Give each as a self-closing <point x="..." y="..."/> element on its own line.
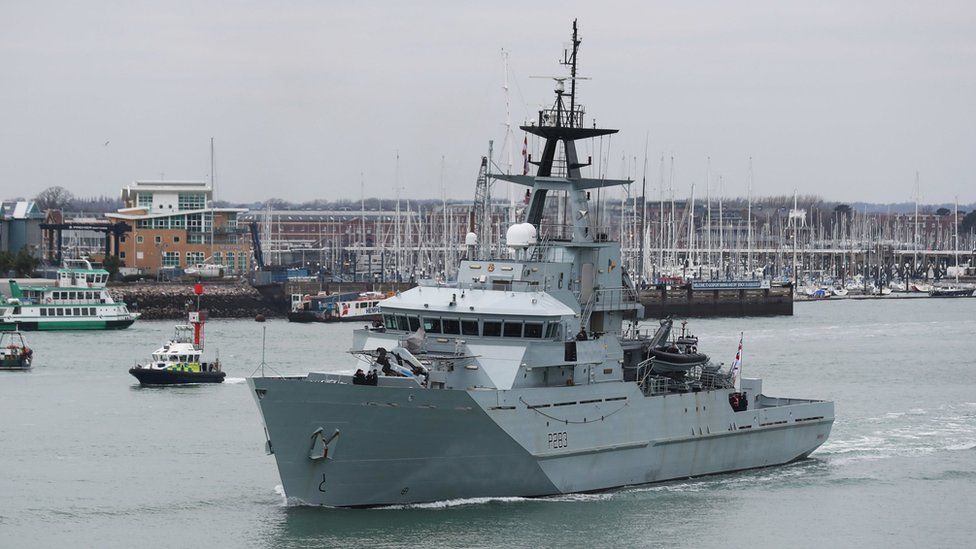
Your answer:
<point x="561" y="126"/>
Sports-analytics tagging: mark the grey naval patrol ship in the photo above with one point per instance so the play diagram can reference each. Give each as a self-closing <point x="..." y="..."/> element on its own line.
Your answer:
<point x="526" y="376"/>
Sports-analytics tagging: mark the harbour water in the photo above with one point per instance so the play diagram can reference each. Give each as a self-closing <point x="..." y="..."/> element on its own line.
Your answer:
<point x="91" y="459"/>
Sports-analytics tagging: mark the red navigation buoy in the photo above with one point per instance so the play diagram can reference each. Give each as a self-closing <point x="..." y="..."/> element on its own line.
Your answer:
<point x="198" y="288"/>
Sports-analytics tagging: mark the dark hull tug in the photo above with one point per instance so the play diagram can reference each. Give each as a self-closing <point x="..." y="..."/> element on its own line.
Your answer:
<point x="178" y="361"/>
<point x="165" y="377"/>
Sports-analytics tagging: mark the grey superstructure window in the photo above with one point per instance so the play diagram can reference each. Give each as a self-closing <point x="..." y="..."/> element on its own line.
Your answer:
<point x="469" y="327"/>
<point x="452" y="326"/>
<point x="512" y="329"/>
<point x="390" y="322"/>
<point x="414" y="323"/>
<point x="402" y="323"/>
<point x="432" y="325"/>
<point x="492" y="328"/>
<point x="533" y="329"/>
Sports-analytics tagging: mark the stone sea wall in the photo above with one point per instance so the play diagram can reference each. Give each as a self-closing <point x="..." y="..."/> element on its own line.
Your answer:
<point x="165" y="301"/>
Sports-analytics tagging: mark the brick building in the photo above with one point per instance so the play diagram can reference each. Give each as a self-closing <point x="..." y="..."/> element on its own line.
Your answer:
<point x="174" y="225"/>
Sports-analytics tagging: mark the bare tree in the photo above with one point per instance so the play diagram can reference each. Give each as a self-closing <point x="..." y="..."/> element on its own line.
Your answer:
<point x="54" y="198"/>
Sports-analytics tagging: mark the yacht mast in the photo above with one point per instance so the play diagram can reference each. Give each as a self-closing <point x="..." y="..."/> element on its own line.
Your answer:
<point x="956" y="226"/>
<point x="444" y="232"/>
<point x="749" y="223"/>
<point x="915" y="238"/>
<point x="691" y="228"/>
<point x="213" y="195"/>
<point x="721" y="234"/>
<point x="708" y="212"/>
<point x="660" y="209"/>
<point x="396" y="223"/>
<point x="640" y="271"/>
<point x="362" y="223"/>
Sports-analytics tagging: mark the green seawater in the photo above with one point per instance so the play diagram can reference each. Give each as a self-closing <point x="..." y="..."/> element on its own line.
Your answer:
<point x="90" y="459"/>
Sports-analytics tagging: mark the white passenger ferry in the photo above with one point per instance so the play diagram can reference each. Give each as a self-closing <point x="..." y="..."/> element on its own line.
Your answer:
<point x="77" y="301"/>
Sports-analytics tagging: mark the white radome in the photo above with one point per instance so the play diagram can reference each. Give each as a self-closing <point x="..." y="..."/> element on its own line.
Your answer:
<point x="520" y="235"/>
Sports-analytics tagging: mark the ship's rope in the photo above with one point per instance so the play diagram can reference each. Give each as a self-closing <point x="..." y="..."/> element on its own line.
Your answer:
<point x="568" y="421"/>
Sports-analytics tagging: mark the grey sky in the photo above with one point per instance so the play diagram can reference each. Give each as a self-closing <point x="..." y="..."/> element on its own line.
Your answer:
<point x="842" y="99"/>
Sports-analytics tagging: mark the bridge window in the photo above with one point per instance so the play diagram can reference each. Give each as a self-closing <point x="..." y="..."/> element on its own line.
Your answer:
<point x="533" y="329"/>
<point x="390" y="322"/>
<point x="552" y="330"/>
<point x="513" y="329"/>
<point x="414" y="323"/>
<point x="469" y="327"/>
<point x="432" y="325"/>
<point x="492" y="329"/>
<point x="452" y="326"/>
<point x="402" y="323"/>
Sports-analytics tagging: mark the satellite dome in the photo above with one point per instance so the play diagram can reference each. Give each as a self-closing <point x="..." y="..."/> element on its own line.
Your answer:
<point x="470" y="239"/>
<point x="520" y="235"/>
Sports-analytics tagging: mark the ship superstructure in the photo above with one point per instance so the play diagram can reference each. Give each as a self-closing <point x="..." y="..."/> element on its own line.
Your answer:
<point x="526" y="376"/>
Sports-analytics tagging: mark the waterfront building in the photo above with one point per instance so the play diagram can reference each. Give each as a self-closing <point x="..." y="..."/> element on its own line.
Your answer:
<point x="176" y="225"/>
<point x="20" y="226"/>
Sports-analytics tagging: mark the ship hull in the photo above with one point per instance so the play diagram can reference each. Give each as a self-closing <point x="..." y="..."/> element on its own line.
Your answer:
<point x="147" y="376"/>
<point x="83" y="324"/>
<point x="346" y="445"/>
<point x="305" y="317"/>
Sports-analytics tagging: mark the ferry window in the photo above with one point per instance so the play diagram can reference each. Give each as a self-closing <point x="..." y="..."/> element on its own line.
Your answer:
<point x="452" y="326"/>
<point x="432" y="325"/>
<point x="91" y="311"/>
<point x="492" y="329"/>
<point x="414" y="323"/>
<point x="43" y="312"/>
<point x="60" y="311"/>
<point x="469" y="327"/>
<point x="533" y="329"/>
<point x="67" y="311"/>
<point x="402" y="323"/>
<point x="513" y="329"/>
<point x="77" y="311"/>
<point x="390" y="322"/>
